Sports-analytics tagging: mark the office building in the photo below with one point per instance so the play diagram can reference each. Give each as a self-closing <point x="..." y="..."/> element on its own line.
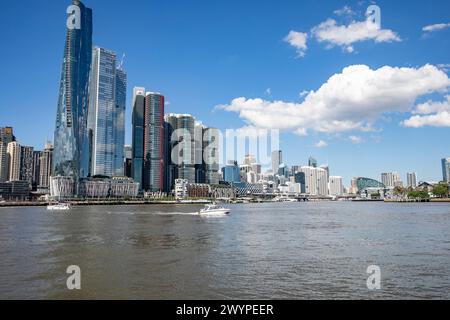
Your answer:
<point x="277" y="159"/>
<point x="211" y="160"/>
<point x="36" y="168"/>
<point x="231" y="172"/>
<point x="71" y="154"/>
<point x="153" y="174"/>
<point x="137" y="147"/>
<point x="106" y="118"/>
<point x="312" y="162"/>
<point x="6" y="136"/>
<point x="446" y="170"/>
<point x="316" y="182"/>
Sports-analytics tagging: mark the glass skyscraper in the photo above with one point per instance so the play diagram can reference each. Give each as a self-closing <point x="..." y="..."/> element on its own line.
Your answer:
<point x="71" y="153"/>
<point x="153" y="175"/>
<point x="446" y="169"/>
<point x="106" y="119"/>
<point x="137" y="147"/>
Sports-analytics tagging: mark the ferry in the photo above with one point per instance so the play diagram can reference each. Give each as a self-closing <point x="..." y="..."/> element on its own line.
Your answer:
<point x="214" y="209"/>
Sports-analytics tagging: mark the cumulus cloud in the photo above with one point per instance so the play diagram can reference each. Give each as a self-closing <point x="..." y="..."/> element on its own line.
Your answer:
<point x="436" y="27"/>
<point x="345" y="10"/>
<point x="346" y="35"/>
<point x="355" y="139"/>
<point x="430" y="113"/>
<point x="352" y="100"/>
<point x="298" y="41"/>
<point x="321" y="144"/>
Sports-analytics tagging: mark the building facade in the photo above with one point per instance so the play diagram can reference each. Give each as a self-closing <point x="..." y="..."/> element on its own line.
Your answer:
<point x="446" y="170"/>
<point x="411" y="180"/>
<point x="14" y="157"/>
<point x="46" y="165"/>
<point x="137" y="147"/>
<point x="106" y="117"/>
<point x="26" y="164"/>
<point x="391" y="179"/>
<point x="71" y="154"/>
<point x="336" y="186"/>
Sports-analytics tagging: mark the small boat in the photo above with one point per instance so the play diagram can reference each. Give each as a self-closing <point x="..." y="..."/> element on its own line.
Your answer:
<point x="59" y="206"/>
<point x="214" y="209"/>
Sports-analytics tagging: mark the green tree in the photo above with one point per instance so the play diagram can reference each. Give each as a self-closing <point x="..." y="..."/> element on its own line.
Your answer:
<point x="441" y="190"/>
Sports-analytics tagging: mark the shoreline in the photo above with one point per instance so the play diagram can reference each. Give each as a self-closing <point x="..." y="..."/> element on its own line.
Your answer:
<point x="185" y="202"/>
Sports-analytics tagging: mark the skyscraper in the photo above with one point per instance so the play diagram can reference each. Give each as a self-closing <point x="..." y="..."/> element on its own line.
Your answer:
<point x="45" y="170"/>
<point x="411" y="180"/>
<point x="6" y="136"/>
<point x="446" y="169"/>
<point x="137" y="154"/>
<point x="312" y="162"/>
<point x="391" y="179"/>
<point x="106" y="117"/>
<point x="277" y="159"/>
<point x="14" y="151"/>
<point x="336" y="186"/>
<point x="71" y="154"/>
<point x="36" y="168"/>
<point x="26" y="164"/>
<point x="211" y="155"/>
<point x="153" y="175"/>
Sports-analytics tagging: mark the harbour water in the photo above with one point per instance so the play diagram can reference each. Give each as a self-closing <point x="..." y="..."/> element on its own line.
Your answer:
<point x="299" y="250"/>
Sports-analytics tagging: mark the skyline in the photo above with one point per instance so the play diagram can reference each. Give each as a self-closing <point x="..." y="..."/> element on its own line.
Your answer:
<point x="383" y="149"/>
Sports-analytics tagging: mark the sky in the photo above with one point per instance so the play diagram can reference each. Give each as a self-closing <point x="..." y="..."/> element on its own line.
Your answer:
<point x="363" y="97"/>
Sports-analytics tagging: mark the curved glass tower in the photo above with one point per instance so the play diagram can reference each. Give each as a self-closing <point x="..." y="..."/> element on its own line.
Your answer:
<point x="71" y="153"/>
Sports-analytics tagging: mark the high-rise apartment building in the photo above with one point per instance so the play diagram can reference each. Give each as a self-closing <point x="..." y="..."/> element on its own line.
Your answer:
<point x="106" y="117"/>
<point x="411" y="180"/>
<point x="336" y="186"/>
<point x="46" y="164"/>
<point x="26" y="164"/>
<point x="391" y="179"/>
<point x="211" y="155"/>
<point x="36" y="168"/>
<point x="6" y="136"/>
<point x="14" y="152"/>
<point x="71" y="154"/>
<point x="316" y="182"/>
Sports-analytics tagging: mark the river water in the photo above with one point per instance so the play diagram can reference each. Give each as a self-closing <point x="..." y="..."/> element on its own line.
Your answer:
<point x="309" y="250"/>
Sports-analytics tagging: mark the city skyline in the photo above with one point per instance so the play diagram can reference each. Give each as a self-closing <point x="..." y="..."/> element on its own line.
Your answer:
<point x="380" y="150"/>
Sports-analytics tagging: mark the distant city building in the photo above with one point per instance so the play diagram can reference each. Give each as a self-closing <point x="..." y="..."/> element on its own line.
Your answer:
<point x="315" y="181"/>
<point x="36" y="168"/>
<point x="46" y="165"/>
<point x="62" y="187"/>
<point x="391" y="179"/>
<point x="336" y="186"/>
<point x="181" y="188"/>
<point x="137" y="147"/>
<point x="446" y="170"/>
<point x="211" y="155"/>
<point x="106" y="118"/>
<point x="15" y="190"/>
<point x="411" y="180"/>
<point x="127" y="163"/>
<point x="231" y="172"/>
<point x="312" y="162"/>
<point x="277" y="159"/>
<point x="299" y="177"/>
<point x="71" y="154"/>
<point x="153" y="175"/>
<point x="14" y="153"/>
<point x="364" y="183"/>
<point x="26" y="164"/>
<point x="6" y="136"/>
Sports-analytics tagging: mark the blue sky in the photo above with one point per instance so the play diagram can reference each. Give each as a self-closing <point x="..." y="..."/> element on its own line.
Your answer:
<point x="201" y="54"/>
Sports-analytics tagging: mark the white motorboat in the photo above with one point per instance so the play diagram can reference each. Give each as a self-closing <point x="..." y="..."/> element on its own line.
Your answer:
<point x="59" y="206"/>
<point x="214" y="209"/>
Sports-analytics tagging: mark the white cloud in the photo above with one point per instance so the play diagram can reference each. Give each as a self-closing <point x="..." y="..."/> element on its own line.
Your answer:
<point x="302" y="132"/>
<point x="345" y="10"/>
<point x="321" y="144"/>
<point x="298" y="41"/>
<point x="268" y="91"/>
<point x="303" y="93"/>
<point x="355" y="139"/>
<point x="441" y="119"/>
<point x="346" y="35"/>
<point x="352" y="100"/>
<point x="436" y="27"/>
<point x="430" y="113"/>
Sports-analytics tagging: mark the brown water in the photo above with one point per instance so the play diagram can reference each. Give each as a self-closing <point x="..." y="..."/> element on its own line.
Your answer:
<point x="265" y="251"/>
